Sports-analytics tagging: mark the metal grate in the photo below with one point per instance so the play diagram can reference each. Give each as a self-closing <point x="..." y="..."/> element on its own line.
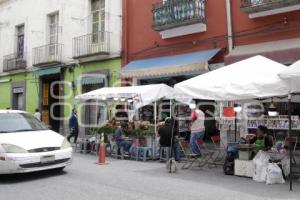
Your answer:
<point x="175" y="13"/>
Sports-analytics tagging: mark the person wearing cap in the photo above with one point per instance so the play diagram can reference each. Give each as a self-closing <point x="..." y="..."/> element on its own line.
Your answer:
<point x="197" y="129"/>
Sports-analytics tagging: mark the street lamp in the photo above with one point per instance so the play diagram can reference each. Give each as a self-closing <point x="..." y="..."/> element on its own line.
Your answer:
<point x="237" y="108"/>
<point x="272" y="111"/>
<point x="123" y="99"/>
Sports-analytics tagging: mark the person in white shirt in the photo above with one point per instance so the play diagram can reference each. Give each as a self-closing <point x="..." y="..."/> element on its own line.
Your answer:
<point x="197" y="129"/>
<point x="37" y="114"/>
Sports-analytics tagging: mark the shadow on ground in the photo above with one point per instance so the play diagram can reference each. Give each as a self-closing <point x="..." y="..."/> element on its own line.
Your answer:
<point x="27" y="177"/>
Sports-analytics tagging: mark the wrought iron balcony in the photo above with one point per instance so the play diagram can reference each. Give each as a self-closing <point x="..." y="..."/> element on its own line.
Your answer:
<point x="254" y="6"/>
<point x="91" y="44"/>
<point x="14" y="62"/>
<point x="176" y="13"/>
<point x="47" y="54"/>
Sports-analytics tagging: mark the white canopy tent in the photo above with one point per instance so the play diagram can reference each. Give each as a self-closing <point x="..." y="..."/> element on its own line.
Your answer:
<point x="253" y="78"/>
<point x="291" y="76"/>
<point x="256" y="77"/>
<point x="139" y="95"/>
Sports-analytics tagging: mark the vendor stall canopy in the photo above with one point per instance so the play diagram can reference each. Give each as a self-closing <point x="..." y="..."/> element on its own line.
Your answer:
<point x="256" y="77"/>
<point x="139" y="95"/>
<point x="292" y="76"/>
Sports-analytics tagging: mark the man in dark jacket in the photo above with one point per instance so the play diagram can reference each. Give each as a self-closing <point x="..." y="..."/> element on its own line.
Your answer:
<point x="168" y="137"/>
<point x="73" y="126"/>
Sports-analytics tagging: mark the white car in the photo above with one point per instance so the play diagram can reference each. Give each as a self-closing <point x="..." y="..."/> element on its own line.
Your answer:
<point x="27" y="145"/>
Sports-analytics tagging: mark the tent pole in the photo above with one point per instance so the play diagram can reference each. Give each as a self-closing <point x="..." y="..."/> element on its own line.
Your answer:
<point x="155" y="118"/>
<point x="289" y="136"/>
<point x="235" y="126"/>
<point x="170" y="108"/>
<point x="155" y="130"/>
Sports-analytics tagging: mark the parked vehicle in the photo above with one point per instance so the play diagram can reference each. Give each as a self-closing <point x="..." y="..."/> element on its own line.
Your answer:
<point x="27" y="145"/>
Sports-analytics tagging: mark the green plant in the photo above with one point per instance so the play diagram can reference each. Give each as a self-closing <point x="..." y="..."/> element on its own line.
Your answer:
<point x="137" y="133"/>
<point x="105" y="129"/>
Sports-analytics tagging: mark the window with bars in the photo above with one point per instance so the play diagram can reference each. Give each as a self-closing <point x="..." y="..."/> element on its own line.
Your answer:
<point x="53" y="33"/>
<point x="20" y="41"/>
<point x="98" y="20"/>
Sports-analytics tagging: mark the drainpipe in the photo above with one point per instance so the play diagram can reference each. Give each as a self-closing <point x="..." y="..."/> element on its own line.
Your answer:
<point x="124" y="32"/>
<point x="229" y="25"/>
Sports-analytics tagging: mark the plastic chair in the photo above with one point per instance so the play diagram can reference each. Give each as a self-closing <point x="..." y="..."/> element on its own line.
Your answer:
<point x="117" y="152"/>
<point x="220" y="150"/>
<point x="144" y="153"/>
<point x="191" y="157"/>
<point x="292" y="140"/>
<point x="206" y="155"/>
<point x="134" y="149"/>
<point x="183" y="145"/>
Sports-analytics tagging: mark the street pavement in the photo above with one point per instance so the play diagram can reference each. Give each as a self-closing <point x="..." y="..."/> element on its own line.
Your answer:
<point x="122" y="180"/>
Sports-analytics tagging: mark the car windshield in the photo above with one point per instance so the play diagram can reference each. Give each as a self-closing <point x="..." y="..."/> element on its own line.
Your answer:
<point x="19" y="122"/>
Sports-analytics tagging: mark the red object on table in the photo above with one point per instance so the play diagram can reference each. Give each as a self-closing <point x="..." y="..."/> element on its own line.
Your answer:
<point x="228" y="112"/>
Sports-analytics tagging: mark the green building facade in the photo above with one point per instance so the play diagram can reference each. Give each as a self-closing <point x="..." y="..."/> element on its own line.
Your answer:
<point x="24" y="90"/>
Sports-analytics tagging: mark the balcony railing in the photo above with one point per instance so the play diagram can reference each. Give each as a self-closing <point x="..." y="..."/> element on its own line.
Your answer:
<point x="14" y="62"/>
<point x="47" y="54"/>
<point x="91" y="44"/>
<point x="175" y="13"/>
<point x="252" y="6"/>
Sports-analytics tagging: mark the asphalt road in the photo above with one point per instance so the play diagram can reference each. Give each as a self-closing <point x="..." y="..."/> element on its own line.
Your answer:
<point x="122" y="180"/>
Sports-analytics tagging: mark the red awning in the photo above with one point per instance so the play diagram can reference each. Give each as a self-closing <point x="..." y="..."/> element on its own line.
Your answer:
<point x="283" y="51"/>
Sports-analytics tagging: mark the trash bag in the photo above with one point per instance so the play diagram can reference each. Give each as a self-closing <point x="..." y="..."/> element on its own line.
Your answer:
<point x="274" y="174"/>
<point x="260" y="161"/>
<point x="228" y="167"/>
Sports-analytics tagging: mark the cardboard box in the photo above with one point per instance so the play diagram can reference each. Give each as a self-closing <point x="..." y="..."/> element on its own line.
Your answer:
<point x="244" y="168"/>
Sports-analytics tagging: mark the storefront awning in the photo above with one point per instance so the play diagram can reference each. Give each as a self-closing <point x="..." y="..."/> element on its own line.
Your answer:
<point x="283" y="51"/>
<point x="47" y="71"/>
<point x="189" y="63"/>
<point x="91" y="80"/>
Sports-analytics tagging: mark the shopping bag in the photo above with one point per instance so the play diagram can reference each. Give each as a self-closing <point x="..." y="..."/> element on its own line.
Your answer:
<point x="274" y="174"/>
<point x="260" y="162"/>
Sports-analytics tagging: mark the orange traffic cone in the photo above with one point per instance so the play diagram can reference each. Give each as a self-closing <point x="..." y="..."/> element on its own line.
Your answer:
<point x="101" y="159"/>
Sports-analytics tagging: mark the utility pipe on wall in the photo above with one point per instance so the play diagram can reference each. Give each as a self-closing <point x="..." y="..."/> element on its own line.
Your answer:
<point x="229" y="25"/>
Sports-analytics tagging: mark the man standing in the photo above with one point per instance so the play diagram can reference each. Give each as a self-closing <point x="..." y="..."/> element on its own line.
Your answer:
<point x="168" y="137"/>
<point x="37" y="114"/>
<point x="197" y="129"/>
<point x="73" y="125"/>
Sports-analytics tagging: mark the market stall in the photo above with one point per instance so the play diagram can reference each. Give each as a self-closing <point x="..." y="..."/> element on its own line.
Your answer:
<point x="292" y="77"/>
<point x="251" y="79"/>
<point x="137" y="96"/>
